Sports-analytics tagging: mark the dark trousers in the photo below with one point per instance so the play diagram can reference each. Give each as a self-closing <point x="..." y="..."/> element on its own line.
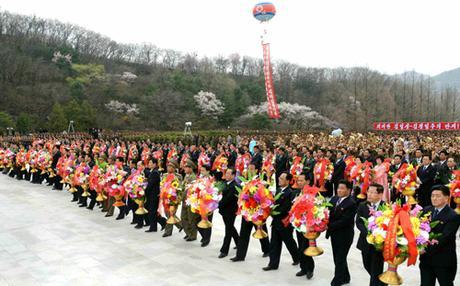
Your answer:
<point x="230" y="232"/>
<point x="424" y="197"/>
<point x="206" y="232"/>
<point x="429" y="273"/>
<point x="92" y="197"/>
<point x="57" y="182"/>
<point x="341" y="243"/>
<point x="245" y="234"/>
<point x="306" y="262"/>
<point x="36" y="178"/>
<point x="373" y="263"/>
<point x="19" y="173"/>
<point x="279" y="236"/>
<point x="153" y="216"/>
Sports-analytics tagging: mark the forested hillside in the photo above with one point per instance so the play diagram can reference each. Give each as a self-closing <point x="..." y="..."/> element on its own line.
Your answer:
<point x="51" y="72"/>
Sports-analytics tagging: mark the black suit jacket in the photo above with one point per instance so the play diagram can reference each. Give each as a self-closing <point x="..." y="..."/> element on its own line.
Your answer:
<point x="228" y="205"/>
<point x="281" y="164"/>
<point x="342" y="217"/>
<point x="443" y="254"/>
<point x="427" y="177"/>
<point x="152" y="191"/>
<point x="363" y="212"/>
<point x="442" y="176"/>
<point x="257" y="160"/>
<point x="55" y="159"/>
<point x="339" y="171"/>
<point x="283" y="206"/>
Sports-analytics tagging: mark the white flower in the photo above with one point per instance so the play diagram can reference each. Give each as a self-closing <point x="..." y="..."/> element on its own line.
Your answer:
<point x="57" y="56"/>
<point x="293" y="113"/>
<point x="121" y="107"/>
<point x="208" y="104"/>
<point x="402" y="240"/>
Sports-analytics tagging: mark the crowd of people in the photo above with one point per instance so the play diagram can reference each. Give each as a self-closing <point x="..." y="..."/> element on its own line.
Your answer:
<point x="287" y="163"/>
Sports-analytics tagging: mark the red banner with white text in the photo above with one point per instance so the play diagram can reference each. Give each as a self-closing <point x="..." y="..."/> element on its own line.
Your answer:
<point x="416" y="126"/>
<point x="273" y="110"/>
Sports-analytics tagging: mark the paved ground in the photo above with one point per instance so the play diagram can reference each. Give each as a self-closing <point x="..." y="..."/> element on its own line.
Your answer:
<point x="47" y="240"/>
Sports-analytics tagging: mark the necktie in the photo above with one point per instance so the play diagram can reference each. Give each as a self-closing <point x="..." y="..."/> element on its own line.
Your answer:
<point x="338" y="203"/>
<point x="435" y="214"/>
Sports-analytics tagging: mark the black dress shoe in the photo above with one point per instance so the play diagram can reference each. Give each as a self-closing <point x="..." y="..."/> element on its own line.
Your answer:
<point x="205" y="243"/>
<point x="89" y="208"/>
<point x="167" y="234"/>
<point x="138" y="227"/>
<point x="151" y="230"/>
<point x="107" y="215"/>
<point x="222" y="255"/>
<point x="82" y="206"/>
<point x="295" y="263"/>
<point x="236" y="259"/>
<point x="119" y="217"/>
<point x="269" y="268"/>
<point x="190" y="239"/>
<point x="300" y="273"/>
<point x="74" y="200"/>
<point x="266" y="254"/>
<point x="186" y="237"/>
<point x="236" y="247"/>
<point x="133" y="222"/>
<point x="309" y="275"/>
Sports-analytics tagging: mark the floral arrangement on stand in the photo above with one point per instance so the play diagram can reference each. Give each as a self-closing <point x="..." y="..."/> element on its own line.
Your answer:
<point x="203" y="197"/>
<point x="310" y="215"/>
<point x="170" y="196"/>
<point x="400" y="233"/>
<point x="323" y="172"/>
<point x="255" y="204"/>
<point x="135" y="186"/>
<point x="405" y="182"/>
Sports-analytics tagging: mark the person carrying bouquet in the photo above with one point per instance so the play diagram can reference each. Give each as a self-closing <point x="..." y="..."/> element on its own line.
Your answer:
<point x="372" y="258"/>
<point x="341" y="231"/>
<point x="439" y="262"/>
<point x="280" y="233"/>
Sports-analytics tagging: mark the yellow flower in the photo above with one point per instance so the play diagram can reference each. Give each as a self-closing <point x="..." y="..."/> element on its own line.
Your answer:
<point x="388" y="213"/>
<point x="379" y="239"/>
<point x="400" y="231"/>
<point x="370" y="239"/>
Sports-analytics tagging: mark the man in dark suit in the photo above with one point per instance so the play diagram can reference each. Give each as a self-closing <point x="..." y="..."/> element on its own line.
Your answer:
<point x="426" y="175"/>
<point x="281" y="162"/>
<point x="228" y="206"/>
<point x="307" y="265"/>
<point x="372" y="259"/>
<point x="281" y="233"/>
<point x="397" y="164"/>
<point x="417" y="161"/>
<point x="442" y="168"/>
<point x="152" y="195"/>
<point x="439" y="262"/>
<point x="341" y="231"/>
<point x="339" y="171"/>
<point x="257" y="158"/>
<point x="57" y="179"/>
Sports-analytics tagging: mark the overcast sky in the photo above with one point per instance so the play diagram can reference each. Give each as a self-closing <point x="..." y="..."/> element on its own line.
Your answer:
<point x="391" y="36"/>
